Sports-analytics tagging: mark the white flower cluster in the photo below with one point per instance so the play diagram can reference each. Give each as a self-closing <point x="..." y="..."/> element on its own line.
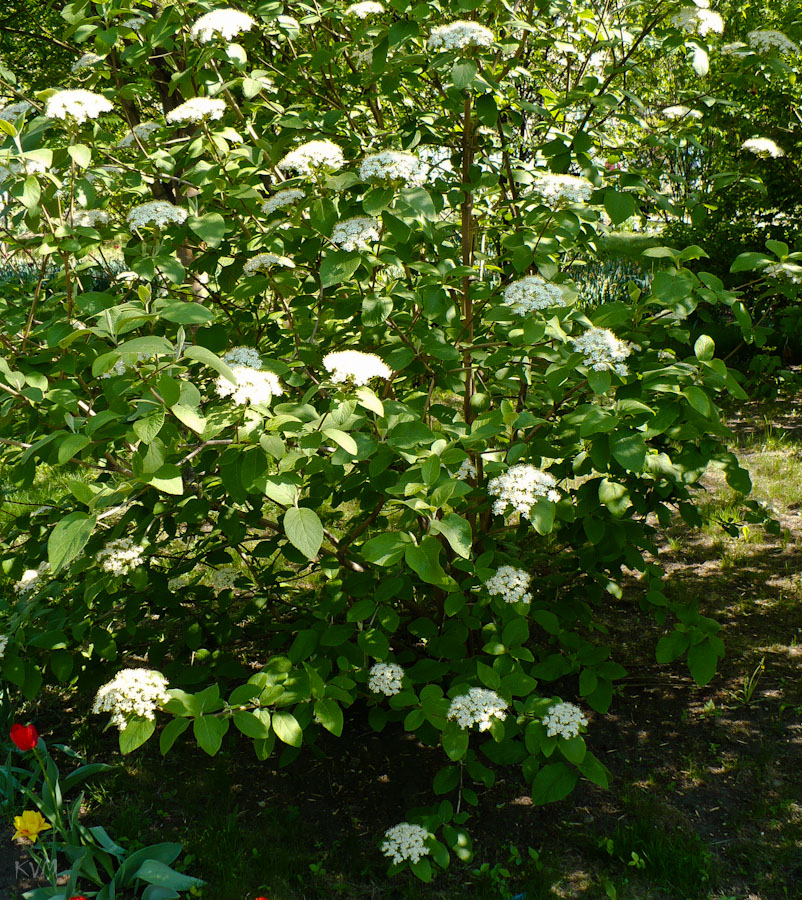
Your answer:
<point x="466" y="470"/>
<point x="365" y="9"/>
<point x="766" y="40"/>
<point x="519" y="487"/>
<point x="243" y="356"/>
<point x="532" y="293"/>
<point x="280" y="199"/>
<point x="477" y="707"/>
<point x="31" y="579"/>
<point x="263" y="261"/>
<point x="510" y="583"/>
<point x="699" y="19"/>
<point x="781" y="270"/>
<point x="356" y="233"/>
<point x="559" y="190"/>
<point x="253" y="387"/>
<point x="603" y="351"/>
<point x="141" y="132"/>
<point x="386" y="678"/>
<point x="90" y="218"/>
<point x="393" y="165"/>
<point x="134" y="23"/>
<point x="355" y="366"/>
<point x="459" y="36"/>
<point x="197" y="109"/>
<point x="405" y="841"/>
<point x="86" y="62"/>
<point x="227" y="23"/>
<point x="132" y="692"/>
<point x="312" y="156"/>
<point x="158" y="213"/>
<point x="3" y="644"/>
<point x="564" y="719"/>
<point x="681" y="112"/>
<point x="120" y="556"/>
<point x="763" y="147"/>
<point x="76" y="104"/>
<point x="13" y="111"/>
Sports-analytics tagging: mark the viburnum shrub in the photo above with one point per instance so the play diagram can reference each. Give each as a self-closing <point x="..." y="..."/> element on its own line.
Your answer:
<point x="337" y="433"/>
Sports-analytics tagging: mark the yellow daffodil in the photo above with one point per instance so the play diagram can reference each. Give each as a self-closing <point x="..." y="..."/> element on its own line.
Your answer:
<point x="29" y="825"/>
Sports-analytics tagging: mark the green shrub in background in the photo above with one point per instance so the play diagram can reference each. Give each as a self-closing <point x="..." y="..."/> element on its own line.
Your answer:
<point x="349" y="437"/>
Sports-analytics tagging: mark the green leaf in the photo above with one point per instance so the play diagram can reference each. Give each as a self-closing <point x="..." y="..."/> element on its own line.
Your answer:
<point x="422" y="869"/>
<point x="446" y="779"/>
<point x="671" y="646"/>
<point x="210" y="228"/>
<point x="80" y="154"/>
<point x="366" y="398"/>
<point x="629" y="451"/>
<point x="253" y="724"/>
<point x="573" y="749"/>
<point x="68" y="539"/>
<point x="541" y="515"/>
<point x="281" y="489"/>
<point x="552" y="783"/>
<point x="702" y="661"/>
<point x="619" y="206"/>
<point x="595" y="771"/>
<point x="614" y="496"/>
<point x="699" y="400"/>
<point x="135" y="733"/>
<point x="386" y="549"/>
<point x="202" y="355"/>
<point x="704" y="348"/>
<point x="745" y="262"/>
<point x="304" y="530"/>
<point x="170" y="734"/>
<point x="338" y="267"/>
<point x="155" y="872"/>
<point x="149" y="426"/>
<point x="329" y="714"/>
<point x="167" y="478"/>
<point x="287" y="728"/>
<point x="463" y="73"/>
<point x="342" y="439"/>
<point x="425" y="560"/>
<point x="148" y="346"/>
<point x="455" y="741"/>
<point x="209" y="731"/>
<point x="71" y="445"/>
<point x="186" y="313"/>
<point x="189" y="417"/>
<point x="31" y="193"/>
<point x="456" y="530"/>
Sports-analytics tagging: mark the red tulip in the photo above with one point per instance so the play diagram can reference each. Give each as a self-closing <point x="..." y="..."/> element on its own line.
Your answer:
<point x="24" y="736"/>
<point x="78" y="897"/>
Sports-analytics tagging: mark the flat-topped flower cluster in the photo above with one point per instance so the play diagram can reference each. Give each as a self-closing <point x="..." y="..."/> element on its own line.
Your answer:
<point x="405" y="841"/>
<point x="386" y="678"/>
<point x="132" y="692"/>
<point x="520" y="487"/>
<point x="603" y="351"/>
<point x="564" y="720"/>
<point x="511" y="584"/>
<point x="532" y="293"/>
<point x="478" y="707"/>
